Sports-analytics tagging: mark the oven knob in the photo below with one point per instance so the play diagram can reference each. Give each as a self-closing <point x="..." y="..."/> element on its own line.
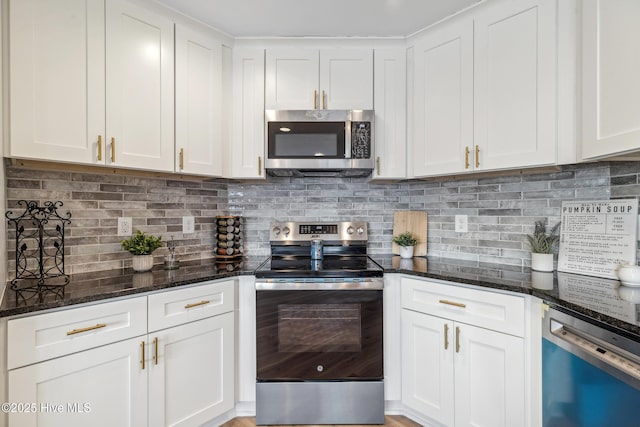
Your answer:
<point x="360" y="230"/>
<point x="319" y="368"/>
<point x="350" y="230"/>
<point x="286" y="231"/>
<point x="276" y="231"/>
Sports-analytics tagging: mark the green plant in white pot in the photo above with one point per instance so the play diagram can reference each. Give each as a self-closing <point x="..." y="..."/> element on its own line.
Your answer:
<point x="407" y="242"/>
<point x="543" y="244"/>
<point x="141" y="246"/>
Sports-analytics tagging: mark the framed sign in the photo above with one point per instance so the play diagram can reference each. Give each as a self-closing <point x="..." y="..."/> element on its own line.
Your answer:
<point x="595" y="237"/>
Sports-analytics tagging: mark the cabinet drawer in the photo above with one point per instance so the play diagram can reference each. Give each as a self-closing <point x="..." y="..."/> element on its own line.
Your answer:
<point x="173" y="308"/>
<point x="491" y="310"/>
<point x="45" y="336"/>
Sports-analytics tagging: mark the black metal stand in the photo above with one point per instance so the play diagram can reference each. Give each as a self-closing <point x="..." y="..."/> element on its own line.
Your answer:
<point x="39" y="246"/>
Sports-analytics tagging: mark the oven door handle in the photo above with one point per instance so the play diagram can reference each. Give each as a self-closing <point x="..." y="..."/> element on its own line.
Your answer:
<point x="374" y="285"/>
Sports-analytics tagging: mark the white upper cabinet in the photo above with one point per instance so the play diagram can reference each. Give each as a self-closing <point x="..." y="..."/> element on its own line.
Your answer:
<point x="610" y="84"/>
<point x="515" y="84"/>
<point x="390" y="107"/>
<point x="308" y="79"/>
<point x="443" y="100"/>
<point x="198" y="103"/>
<point x="140" y="84"/>
<point x="485" y="90"/>
<point x="57" y="90"/>
<point x="246" y="149"/>
<point x="91" y="83"/>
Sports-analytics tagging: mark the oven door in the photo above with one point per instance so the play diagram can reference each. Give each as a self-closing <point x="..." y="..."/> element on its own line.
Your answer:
<point x="319" y="335"/>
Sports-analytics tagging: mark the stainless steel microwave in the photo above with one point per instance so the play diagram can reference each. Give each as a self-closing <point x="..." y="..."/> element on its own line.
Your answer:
<point x="319" y="142"/>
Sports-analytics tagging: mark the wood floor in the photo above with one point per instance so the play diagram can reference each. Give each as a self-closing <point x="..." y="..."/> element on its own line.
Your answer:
<point x="389" y="421"/>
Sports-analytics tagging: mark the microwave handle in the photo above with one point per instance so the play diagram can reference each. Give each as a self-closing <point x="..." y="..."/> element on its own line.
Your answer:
<point x="347" y="139"/>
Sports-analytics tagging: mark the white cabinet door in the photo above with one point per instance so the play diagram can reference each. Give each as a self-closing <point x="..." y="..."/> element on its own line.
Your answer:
<point x="443" y="100"/>
<point x="390" y="107"/>
<point x="291" y="79"/>
<point x="489" y="378"/>
<point x="192" y="372"/>
<point x="515" y="84"/>
<point x="57" y="80"/>
<point x="346" y="79"/>
<point x="140" y="87"/>
<point x="427" y="366"/>
<point x="198" y="103"/>
<point x="610" y="84"/>
<point x="308" y="79"/>
<point x="247" y="123"/>
<point x="102" y="387"/>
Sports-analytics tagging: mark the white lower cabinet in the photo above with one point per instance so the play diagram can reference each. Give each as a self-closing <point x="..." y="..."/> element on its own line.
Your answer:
<point x="459" y="374"/>
<point x="116" y="371"/>
<point x="101" y="387"/>
<point x="191" y="372"/>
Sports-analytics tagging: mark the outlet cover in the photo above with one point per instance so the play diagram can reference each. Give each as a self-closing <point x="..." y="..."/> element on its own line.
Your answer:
<point x="188" y="225"/>
<point x="125" y="227"/>
<point x="461" y="224"/>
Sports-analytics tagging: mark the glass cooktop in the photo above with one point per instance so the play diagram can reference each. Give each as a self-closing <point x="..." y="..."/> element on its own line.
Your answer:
<point x="332" y="266"/>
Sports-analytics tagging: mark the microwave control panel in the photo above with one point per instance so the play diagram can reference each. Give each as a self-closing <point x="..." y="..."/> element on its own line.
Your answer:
<point x="361" y="140"/>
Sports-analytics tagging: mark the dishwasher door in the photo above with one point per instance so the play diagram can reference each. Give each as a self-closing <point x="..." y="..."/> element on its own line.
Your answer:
<point x="590" y="375"/>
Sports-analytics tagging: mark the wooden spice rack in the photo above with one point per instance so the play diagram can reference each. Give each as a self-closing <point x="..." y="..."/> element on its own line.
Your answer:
<point x="229" y="241"/>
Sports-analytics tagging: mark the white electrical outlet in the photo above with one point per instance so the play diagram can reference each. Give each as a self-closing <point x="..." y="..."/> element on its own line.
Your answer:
<point x="188" y="225"/>
<point x="461" y="224"/>
<point x="125" y="227"/>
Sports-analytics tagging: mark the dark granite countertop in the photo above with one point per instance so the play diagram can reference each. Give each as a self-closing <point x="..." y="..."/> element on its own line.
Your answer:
<point x="600" y="299"/>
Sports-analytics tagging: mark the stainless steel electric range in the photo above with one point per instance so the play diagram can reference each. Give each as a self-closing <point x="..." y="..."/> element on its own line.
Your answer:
<point x="319" y="327"/>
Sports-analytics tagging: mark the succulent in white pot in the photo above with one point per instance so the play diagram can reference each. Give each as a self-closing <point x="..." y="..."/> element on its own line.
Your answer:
<point x="407" y="242"/>
<point x="141" y="246"/>
<point x="543" y="244"/>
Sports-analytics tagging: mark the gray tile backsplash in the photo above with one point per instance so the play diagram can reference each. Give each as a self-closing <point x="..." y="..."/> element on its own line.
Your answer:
<point x="501" y="210"/>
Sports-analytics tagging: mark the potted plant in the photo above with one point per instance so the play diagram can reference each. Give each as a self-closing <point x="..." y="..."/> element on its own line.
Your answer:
<point x="406" y="241"/>
<point x="542" y="245"/>
<point x="142" y="245"/>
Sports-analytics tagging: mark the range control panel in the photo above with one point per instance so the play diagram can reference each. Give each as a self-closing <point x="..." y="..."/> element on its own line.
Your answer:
<point x="295" y="232"/>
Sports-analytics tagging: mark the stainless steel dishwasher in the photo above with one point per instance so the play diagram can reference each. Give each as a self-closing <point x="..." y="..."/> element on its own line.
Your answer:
<point x="590" y="373"/>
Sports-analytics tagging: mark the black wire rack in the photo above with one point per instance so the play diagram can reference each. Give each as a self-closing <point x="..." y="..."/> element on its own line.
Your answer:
<point x="39" y="246"/>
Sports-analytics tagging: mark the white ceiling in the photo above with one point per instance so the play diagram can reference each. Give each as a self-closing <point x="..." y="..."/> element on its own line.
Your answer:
<point x="318" y="18"/>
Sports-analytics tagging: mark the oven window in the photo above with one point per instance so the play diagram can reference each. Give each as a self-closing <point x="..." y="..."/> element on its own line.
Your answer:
<point x="319" y="328"/>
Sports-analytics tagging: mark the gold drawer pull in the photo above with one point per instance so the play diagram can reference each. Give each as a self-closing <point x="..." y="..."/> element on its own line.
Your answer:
<point x="466" y="157"/>
<point x="155" y="356"/>
<point x="196" y="304"/>
<point x="143" y="356"/>
<point x="315" y="99"/>
<point x="99" y="147"/>
<point x="457" y="339"/>
<point x="324" y="101"/>
<point x="378" y="164"/>
<point x="259" y="165"/>
<point x="456" y="304"/>
<point x="477" y="156"/>
<point x="88" y="328"/>
<point x="113" y="150"/>
<point x="181" y="158"/>
<point x="446" y="336"/>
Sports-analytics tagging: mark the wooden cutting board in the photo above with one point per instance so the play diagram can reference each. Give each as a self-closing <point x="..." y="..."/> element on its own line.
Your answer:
<point x="416" y="223"/>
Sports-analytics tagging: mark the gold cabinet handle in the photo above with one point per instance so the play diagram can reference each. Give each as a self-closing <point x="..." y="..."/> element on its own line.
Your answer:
<point x="324" y="101"/>
<point x="99" y="148"/>
<point x="378" y="164"/>
<point x="143" y="357"/>
<point x="315" y="99"/>
<point x="155" y="344"/>
<point x="181" y="158"/>
<point x="113" y="150"/>
<point x="259" y="165"/>
<point x="457" y="339"/>
<point x="477" y="156"/>
<point x="466" y="157"/>
<point x="447" y="302"/>
<point x="446" y="336"/>
<point x="196" y="304"/>
<point x="88" y="328"/>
